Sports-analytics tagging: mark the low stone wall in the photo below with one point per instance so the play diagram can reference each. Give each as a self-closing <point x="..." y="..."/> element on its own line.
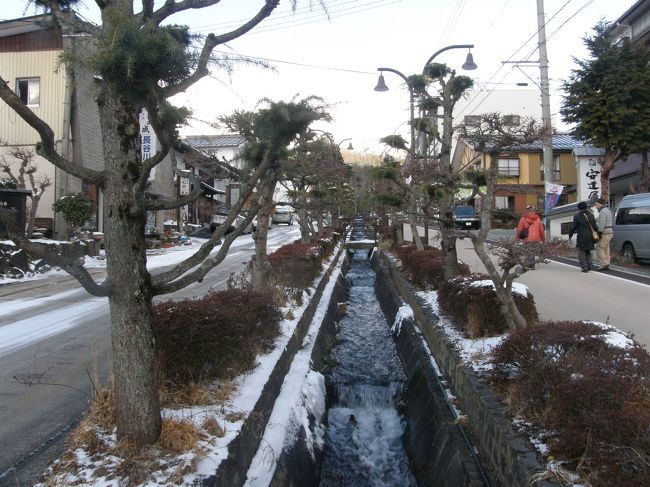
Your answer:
<point x="506" y="455"/>
<point x="241" y="450"/>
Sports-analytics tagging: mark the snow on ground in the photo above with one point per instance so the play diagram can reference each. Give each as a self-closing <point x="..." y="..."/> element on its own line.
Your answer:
<point x="155" y="257"/>
<point x="299" y="388"/>
<point x="302" y="393"/>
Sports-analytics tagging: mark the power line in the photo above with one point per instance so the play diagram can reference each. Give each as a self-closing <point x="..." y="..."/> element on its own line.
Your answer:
<point x="293" y="63"/>
<point x="316" y="17"/>
<point x="507" y="60"/>
<point x="294" y="13"/>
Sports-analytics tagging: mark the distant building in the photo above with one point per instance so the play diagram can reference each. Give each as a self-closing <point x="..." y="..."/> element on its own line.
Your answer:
<point x="520" y="172"/>
<point x="226" y="149"/>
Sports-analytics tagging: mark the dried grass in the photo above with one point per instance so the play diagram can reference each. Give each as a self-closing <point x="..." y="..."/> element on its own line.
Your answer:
<point x="178" y="436"/>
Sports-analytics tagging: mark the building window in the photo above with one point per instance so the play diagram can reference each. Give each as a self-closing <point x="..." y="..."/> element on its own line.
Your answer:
<point x="504" y="202"/>
<point x="556" y="168"/>
<point x="28" y="90"/>
<point x="508" y="167"/>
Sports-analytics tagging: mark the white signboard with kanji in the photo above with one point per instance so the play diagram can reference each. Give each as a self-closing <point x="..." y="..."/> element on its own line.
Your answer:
<point x="589" y="169"/>
<point x="148" y="141"/>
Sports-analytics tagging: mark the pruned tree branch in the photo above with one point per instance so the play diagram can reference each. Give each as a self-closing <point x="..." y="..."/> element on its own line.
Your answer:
<point x="162" y="282"/>
<point x="171" y="203"/>
<point x="74" y="267"/>
<point x="211" y="40"/>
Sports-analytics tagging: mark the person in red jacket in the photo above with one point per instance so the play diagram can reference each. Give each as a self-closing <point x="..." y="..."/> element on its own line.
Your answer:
<point x="530" y="231"/>
<point x="530" y="227"/>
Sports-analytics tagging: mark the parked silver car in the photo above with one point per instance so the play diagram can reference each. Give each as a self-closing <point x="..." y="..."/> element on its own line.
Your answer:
<point x="282" y="214"/>
<point x="632" y="227"/>
<point x="220" y="217"/>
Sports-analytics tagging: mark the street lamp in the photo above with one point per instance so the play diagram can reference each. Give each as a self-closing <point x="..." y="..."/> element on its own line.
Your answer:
<point x="468" y="65"/>
<point x="381" y="86"/>
<point x="349" y="147"/>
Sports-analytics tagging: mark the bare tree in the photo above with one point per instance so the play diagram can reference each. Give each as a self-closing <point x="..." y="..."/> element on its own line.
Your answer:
<point x="494" y="137"/>
<point x="26" y="173"/>
<point x="127" y="83"/>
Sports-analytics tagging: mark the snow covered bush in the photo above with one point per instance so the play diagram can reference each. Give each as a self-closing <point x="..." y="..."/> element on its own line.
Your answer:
<point x="587" y="386"/>
<point x="471" y="304"/>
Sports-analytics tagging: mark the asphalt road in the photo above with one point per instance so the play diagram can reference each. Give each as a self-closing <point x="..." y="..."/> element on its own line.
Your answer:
<point x="45" y="383"/>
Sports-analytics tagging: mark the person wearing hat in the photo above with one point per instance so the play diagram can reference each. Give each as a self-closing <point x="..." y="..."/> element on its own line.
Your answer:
<point x="606" y="234"/>
<point x="583" y="222"/>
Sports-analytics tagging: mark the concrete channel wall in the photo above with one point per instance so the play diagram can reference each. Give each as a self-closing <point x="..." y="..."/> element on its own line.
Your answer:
<point x="435" y="446"/>
<point x="507" y="457"/>
<point x="241" y="450"/>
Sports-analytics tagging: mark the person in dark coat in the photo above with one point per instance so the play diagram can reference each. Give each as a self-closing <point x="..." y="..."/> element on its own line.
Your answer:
<point x="583" y="222"/>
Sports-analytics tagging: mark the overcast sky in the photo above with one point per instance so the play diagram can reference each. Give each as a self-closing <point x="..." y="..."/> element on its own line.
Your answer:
<point x="336" y="55"/>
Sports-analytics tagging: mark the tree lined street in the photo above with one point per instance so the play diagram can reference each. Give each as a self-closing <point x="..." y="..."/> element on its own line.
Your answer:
<point x="54" y="341"/>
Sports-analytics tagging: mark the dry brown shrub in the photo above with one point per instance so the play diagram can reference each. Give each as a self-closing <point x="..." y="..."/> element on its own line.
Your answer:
<point x="217" y="336"/>
<point x="593" y="397"/>
<point x="212" y="427"/>
<point x="179" y="436"/>
<point x="458" y="297"/>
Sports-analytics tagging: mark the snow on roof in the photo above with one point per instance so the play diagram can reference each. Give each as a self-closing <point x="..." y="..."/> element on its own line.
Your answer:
<point x="207" y="142"/>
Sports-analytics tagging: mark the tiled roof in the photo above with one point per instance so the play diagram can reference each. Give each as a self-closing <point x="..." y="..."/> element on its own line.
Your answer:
<point x="628" y="166"/>
<point x="561" y="142"/>
<point x="206" y="142"/>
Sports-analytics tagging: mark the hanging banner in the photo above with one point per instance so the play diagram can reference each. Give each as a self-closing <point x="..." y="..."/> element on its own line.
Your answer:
<point x="148" y="141"/>
<point x="552" y="195"/>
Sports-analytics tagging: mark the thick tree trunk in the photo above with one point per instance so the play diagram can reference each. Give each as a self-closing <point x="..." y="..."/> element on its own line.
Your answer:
<point x="32" y="214"/>
<point x="136" y="384"/>
<point x="447" y="239"/>
<point x="608" y="164"/>
<point x="305" y="233"/>
<point x="415" y="235"/>
<point x="261" y="267"/>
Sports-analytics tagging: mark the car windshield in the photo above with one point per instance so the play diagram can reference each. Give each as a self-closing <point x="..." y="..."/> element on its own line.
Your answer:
<point x="464" y="211"/>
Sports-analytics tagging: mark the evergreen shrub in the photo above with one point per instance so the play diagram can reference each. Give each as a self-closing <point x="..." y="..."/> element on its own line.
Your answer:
<point x="297" y="264"/>
<point x="216" y="336"/>
<point x="590" y="397"/>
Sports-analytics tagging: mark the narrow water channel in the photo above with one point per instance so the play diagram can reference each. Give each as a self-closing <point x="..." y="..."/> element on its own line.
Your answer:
<point x="364" y="438"/>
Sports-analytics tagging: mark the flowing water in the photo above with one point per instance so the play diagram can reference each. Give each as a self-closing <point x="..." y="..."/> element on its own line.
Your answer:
<point x="364" y="436"/>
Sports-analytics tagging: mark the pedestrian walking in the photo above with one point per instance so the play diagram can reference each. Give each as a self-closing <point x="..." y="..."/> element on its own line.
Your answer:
<point x="584" y="224"/>
<point x="606" y="232"/>
<point x="530" y="233"/>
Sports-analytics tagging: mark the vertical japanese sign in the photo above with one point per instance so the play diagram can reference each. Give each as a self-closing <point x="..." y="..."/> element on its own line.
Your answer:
<point x="148" y="141"/>
<point x="552" y="195"/>
<point x="590" y="179"/>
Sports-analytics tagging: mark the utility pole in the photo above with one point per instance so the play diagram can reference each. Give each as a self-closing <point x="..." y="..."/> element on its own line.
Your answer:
<point x="545" y="91"/>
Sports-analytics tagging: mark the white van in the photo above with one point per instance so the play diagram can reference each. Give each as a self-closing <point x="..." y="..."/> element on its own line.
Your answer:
<point x="632" y="227"/>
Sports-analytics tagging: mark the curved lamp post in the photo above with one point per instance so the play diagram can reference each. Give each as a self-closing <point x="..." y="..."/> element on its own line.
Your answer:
<point x="468" y="65"/>
<point x="349" y="147"/>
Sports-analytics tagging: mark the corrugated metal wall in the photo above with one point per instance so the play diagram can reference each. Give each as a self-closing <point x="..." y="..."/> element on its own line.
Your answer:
<point x="39" y="64"/>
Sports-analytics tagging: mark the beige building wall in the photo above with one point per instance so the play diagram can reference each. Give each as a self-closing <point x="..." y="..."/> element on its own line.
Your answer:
<point x="13" y="130"/>
<point x="35" y="64"/>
